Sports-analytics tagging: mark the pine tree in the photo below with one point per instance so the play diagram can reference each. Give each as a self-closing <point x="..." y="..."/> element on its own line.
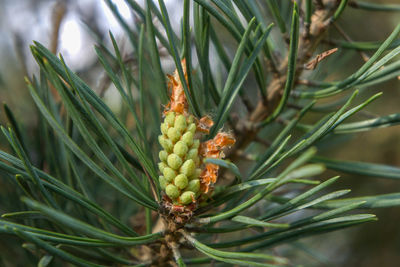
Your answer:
<point x="197" y="156"/>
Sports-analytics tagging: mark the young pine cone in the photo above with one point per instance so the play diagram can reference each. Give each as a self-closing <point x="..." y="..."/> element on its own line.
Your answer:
<point x="179" y="160"/>
<point x="185" y="179"/>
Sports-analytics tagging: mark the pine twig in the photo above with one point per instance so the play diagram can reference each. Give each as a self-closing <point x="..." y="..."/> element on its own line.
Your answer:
<point x="58" y="14"/>
<point x="363" y="55"/>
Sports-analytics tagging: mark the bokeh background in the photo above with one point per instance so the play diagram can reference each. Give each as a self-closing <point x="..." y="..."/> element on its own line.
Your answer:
<point x="83" y="23"/>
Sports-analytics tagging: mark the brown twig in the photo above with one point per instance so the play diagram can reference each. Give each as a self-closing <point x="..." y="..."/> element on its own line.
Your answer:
<point x="58" y="14"/>
<point x="319" y="4"/>
<point x="364" y="56"/>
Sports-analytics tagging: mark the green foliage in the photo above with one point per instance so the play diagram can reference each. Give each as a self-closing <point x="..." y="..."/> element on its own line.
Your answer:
<point x="93" y="169"/>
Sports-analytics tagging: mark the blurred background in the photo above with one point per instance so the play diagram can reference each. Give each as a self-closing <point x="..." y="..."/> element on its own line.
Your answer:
<point x="73" y="27"/>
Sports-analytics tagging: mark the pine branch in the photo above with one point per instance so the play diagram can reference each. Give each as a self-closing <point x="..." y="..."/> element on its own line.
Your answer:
<point x="247" y="128"/>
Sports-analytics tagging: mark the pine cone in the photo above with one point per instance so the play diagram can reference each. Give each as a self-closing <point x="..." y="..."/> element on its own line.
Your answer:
<point x="185" y="179"/>
<point x="180" y="159"/>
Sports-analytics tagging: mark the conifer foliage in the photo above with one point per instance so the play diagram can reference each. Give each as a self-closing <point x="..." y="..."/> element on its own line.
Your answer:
<point x="219" y="150"/>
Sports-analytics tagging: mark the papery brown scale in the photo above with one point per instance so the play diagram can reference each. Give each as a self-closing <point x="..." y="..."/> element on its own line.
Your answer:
<point x="213" y="149"/>
<point x="208" y="177"/>
<point x="178" y="101"/>
<point x="223" y="140"/>
<point x="204" y="125"/>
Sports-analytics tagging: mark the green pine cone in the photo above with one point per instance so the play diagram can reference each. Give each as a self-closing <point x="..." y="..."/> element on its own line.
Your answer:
<point x="179" y="159"/>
